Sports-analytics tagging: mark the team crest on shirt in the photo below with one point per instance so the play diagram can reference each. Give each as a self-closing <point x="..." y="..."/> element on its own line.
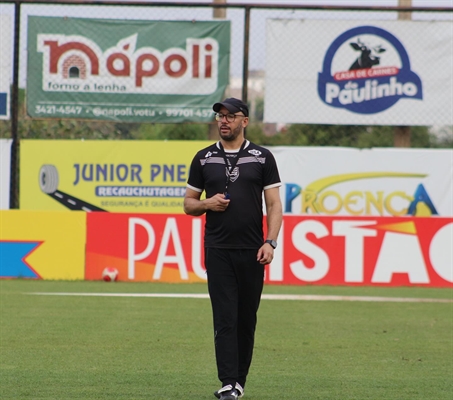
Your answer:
<point x="233" y="175"/>
<point x="254" y="152"/>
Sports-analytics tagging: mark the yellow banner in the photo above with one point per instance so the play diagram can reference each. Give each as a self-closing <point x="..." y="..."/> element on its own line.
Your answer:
<point x="122" y="176"/>
<point x="42" y="244"/>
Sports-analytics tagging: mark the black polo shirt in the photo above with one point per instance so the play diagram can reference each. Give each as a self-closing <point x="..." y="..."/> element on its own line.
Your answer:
<point x="241" y="224"/>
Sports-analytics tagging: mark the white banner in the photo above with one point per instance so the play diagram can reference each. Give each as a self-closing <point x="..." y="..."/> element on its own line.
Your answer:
<point x="5" y="65"/>
<point x="352" y="73"/>
<point x="5" y="172"/>
<point x="370" y="182"/>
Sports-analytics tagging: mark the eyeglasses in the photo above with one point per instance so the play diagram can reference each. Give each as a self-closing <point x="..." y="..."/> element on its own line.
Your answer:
<point x="229" y="117"/>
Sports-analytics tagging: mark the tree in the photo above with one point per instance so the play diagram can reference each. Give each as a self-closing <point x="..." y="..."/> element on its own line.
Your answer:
<point x="294" y="135"/>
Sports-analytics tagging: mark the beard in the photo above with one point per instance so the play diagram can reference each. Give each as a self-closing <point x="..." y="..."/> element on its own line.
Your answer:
<point x="231" y="135"/>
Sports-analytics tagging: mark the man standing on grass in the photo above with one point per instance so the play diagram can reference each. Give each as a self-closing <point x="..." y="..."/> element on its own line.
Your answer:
<point x="235" y="173"/>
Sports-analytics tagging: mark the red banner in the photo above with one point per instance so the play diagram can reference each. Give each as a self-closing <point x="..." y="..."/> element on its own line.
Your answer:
<point x="381" y="251"/>
<point x="145" y="247"/>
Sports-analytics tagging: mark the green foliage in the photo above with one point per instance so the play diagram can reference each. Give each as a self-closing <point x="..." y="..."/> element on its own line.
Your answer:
<point x="383" y="136"/>
<point x="171" y="132"/>
<point x="293" y="135"/>
<point x="444" y="137"/>
<point x="98" y="130"/>
<point x="255" y="134"/>
<point x="259" y="109"/>
<point x="347" y="136"/>
<point x="64" y="128"/>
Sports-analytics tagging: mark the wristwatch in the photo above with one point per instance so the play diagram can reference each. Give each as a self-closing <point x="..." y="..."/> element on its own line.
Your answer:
<point x="273" y="243"/>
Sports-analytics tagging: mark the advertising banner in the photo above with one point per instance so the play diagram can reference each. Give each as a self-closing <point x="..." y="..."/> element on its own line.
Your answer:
<point x="355" y="73"/>
<point x="143" y="247"/>
<point x="151" y="176"/>
<point x="126" y="70"/>
<point x="42" y="244"/>
<point x="5" y="172"/>
<point x="123" y="176"/>
<point x="368" y="251"/>
<point x="315" y="250"/>
<point x="6" y="66"/>
<point x="368" y="182"/>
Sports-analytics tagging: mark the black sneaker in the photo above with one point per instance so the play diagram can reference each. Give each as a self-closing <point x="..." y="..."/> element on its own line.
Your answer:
<point x="226" y="393"/>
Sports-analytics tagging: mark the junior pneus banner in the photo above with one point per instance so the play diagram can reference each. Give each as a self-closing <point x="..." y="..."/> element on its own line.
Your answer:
<point x="125" y="176"/>
<point x="133" y="71"/>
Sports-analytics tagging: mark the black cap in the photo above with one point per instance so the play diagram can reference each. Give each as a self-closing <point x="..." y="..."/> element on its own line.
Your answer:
<point x="232" y="105"/>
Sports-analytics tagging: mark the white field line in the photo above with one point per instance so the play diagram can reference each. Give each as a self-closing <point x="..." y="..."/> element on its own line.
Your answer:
<point x="264" y="297"/>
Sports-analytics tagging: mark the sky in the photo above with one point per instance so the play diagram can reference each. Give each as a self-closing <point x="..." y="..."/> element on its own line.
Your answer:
<point x="235" y="15"/>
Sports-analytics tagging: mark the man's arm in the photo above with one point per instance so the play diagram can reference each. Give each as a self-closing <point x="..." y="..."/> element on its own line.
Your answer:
<point x="196" y="207"/>
<point x="274" y="223"/>
<point x="274" y="212"/>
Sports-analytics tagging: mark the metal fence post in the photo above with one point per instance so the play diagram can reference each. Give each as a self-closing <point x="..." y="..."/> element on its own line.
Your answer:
<point x="245" y="63"/>
<point x="402" y="134"/>
<point x="13" y="194"/>
<point x="218" y="13"/>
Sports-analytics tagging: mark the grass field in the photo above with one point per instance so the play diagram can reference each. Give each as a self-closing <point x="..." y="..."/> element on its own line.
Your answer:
<point x="88" y="347"/>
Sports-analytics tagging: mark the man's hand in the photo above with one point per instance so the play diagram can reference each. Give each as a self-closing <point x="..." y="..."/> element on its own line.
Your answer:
<point x="217" y="203"/>
<point x="196" y="207"/>
<point x="265" y="254"/>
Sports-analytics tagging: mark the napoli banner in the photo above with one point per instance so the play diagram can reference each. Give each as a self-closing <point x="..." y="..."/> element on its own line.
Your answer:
<point x="5" y="172"/>
<point x="119" y="176"/>
<point x="378" y="73"/>
<point x="6" y="66"/>
<point x="132" y="71"/>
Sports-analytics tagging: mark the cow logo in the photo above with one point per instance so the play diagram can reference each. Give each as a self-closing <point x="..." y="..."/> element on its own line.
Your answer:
<point x="367" y="70"/>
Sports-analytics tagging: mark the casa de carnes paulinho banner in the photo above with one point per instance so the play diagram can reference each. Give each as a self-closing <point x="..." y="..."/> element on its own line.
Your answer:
<point x="355" y="73"/>
<point x="130" y="71"/>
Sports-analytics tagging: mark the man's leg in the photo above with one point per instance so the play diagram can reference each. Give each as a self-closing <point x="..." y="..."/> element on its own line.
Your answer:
<point x="251" y="278"/>
<point x="223" y="291"/>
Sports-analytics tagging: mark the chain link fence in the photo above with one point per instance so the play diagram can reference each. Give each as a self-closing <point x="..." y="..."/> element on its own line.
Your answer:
<point x="247" y="47"/>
